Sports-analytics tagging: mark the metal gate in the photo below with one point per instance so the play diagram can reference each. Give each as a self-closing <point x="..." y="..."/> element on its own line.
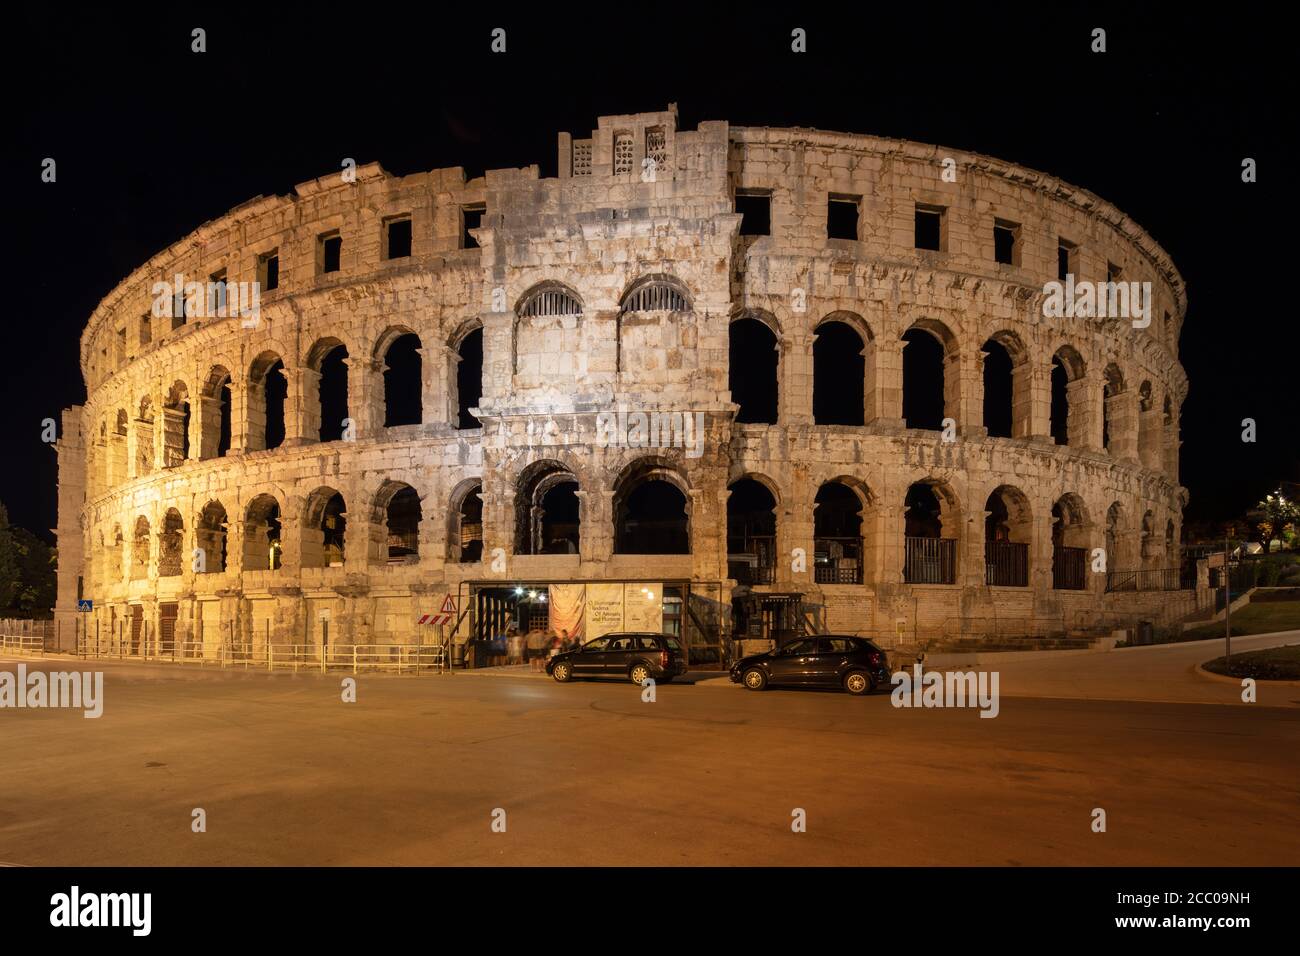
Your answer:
<point x="167" y="629"/>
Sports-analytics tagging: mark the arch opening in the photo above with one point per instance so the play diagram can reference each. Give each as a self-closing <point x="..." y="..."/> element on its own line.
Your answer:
<point x="837" y="534"/>
<point x="751" y="532"/>
<point x="752" y="353"/>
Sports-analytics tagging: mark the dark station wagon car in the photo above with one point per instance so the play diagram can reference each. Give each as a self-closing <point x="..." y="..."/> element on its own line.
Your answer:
<point x="634" y="656"/>
<point x="824" y="660"/>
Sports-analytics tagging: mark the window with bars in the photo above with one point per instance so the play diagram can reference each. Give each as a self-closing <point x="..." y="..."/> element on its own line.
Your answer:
<point x="582" y="158"/>
<point x="548" y="302"/>
<point x="622" y="153"/>
<point x="656" y="296"/>
<point x="656" y="147"/>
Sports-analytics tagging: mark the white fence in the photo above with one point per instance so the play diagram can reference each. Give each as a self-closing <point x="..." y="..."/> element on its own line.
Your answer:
<point x="21" y="644"/>
<point x="397" y="658"/>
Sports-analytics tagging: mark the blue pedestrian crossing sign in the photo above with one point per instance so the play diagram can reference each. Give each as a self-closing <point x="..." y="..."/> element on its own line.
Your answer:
<point x="85" y="605"/>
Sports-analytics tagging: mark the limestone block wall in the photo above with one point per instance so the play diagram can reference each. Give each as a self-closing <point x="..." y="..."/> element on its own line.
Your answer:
<point x="616" y="284"/>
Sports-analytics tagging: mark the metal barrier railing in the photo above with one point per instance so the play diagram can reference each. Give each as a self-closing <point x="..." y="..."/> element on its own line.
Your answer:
<point x="399" y="658"/>
<point x="22" y="643"/>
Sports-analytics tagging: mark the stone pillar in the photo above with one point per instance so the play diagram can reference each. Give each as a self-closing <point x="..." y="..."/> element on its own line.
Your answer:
<point x="1150" y="440"/>
<point x="1085" y="396"/>
<point x="889" y="546"/>
<point x="596" y="514"/>
<point x="1172" y="444"/>
<point x="970" y="549"/>
<point x="795" y="378"/>
<point x="208" y="428"/>
<point x="886" y="379"/>
<point x="365" y="396"/>
<point x="1040" y="548"/>
<point x="243" y="410"/>
<point x="1031" y="401"/>
<point x="301" y="406"/>
<point x="1121" y="412"/>
<point x="439" y="396"/>
<point x="963" y="393"/>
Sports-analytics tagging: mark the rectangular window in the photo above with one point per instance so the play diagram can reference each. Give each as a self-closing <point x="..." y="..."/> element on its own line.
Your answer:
<point x="931" y="227"/>
<point x="471" y="217"/>
<point x="397" y="238"/>
<point x="329" y="252"/>
<point x="1006" y="242"/>
<point x="146" y="329"/>
<point x="1114" y="273"/>
<point x="622" y="153"/>
<point x="656" y="148"/>
<point x="842" y="217"/>
<point x="217" y="293"/>
<point x="180" y="308"/>
<point x="121" y="347"/>
<point x="755" y="209"/>
<point x="268" y="270"/>
<point x="582" y="157"/>
<point x="1067" y="258"/>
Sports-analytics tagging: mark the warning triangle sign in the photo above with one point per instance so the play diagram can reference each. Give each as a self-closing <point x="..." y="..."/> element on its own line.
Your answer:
<point x="448" y="605"/>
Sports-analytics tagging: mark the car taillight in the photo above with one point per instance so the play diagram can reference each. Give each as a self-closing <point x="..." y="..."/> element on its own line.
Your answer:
<point x="663" y="659"/>
<point x="874" y="657"/>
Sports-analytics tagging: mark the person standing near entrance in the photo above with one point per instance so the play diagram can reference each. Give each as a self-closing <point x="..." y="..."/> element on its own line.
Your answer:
<point x="537" y="647"/>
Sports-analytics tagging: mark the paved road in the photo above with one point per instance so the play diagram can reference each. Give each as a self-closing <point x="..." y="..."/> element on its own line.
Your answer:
<point x="1160" y="672"/>
<point x="589" y="774"/>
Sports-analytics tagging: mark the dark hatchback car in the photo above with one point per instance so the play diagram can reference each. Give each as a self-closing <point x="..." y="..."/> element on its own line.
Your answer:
<point x="826" y="660"/>
<point x="630" y="656"/>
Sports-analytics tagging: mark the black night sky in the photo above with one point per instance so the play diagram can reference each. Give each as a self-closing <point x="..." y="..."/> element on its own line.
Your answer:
<point x="152" y="140"/>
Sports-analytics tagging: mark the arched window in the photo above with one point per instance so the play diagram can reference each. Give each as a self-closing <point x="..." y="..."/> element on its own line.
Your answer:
<point x="263" y="547"/>
<point x="547" y="300"/>
<point x="176" y="426"/>
<point x="932" y="526"/>
<point x="465" y="525"/>
<point x="657" y="294"/>
<point x="837" y="534"/>
<point x="468" y="378"/>
<point x="1008" y="532"/>
<point x="171" y="544"/>
<point x="403" y="381"/>
<point x="266" y="393"/>
<point x="751" y="532"/>
<point x="1069" y="544"/>
<point x="650" y="510"/>
<point x="928" y="396"/>
<point x="398" y="511"/>
<point x="1069" y="402"/>
<point x="1006" y="386"/>
<point x="752" y="370"/>
<point x="839" y="374"/>
<point x="324" y="529"/>
<point x="214" y="442"/>
<point x="546" y="510"/>
<point x="329" y="358"/>
<point x="210" y="534"/>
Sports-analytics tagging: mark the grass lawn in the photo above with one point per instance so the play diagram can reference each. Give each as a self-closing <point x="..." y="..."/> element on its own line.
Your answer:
<point x="1276" y="663"/>
<point x="1254" y="618"/>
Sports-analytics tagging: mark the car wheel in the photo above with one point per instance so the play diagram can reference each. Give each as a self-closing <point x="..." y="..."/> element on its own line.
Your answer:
<point x="562" y="672"/>
<point x="858" y="683"/>
<point x="638" y="673"/>
<point x="754" y="679"/>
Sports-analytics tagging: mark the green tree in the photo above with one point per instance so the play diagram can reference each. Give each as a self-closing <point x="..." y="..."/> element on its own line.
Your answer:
<point x="10" y="572"/>
<point x="1272" y="516"/>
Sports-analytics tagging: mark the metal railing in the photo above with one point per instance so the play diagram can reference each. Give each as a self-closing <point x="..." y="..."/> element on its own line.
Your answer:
<point x="1069" y="568"/>
<point x="745" y="573"/>
<point x="843" y="560"/>
<point x="22" y="643"/>
<point x="1006" y="564"/>
<point x="1157" y="579"/>
<point x="399" y="658"/>
<point x="930" y="560"/>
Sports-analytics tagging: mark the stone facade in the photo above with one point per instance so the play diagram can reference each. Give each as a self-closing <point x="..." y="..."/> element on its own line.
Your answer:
<point x="161" y="480"/>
